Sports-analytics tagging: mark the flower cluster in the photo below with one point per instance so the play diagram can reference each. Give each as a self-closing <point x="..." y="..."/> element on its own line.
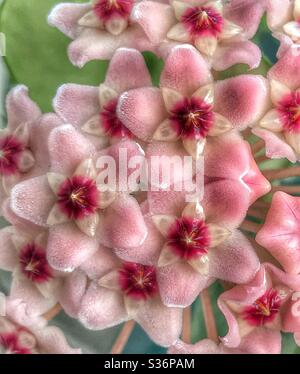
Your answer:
<point x="111" y="255"/>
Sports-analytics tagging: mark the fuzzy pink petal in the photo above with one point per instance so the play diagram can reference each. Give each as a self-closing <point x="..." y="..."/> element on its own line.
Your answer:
<point x="22" y="288"/>
<point x="234" y="260"/>
<point x="180" y="284"/>
<point x="241" y="52"/>
<point x="163" y="324"/>
<point x="287" y="69"/>
<point x="39" y="141"/>
<point x="68" y="148"/>
<point x="205" y="346"/>
<point x="102" y="308"/>
<point x="262" y="341"/>
<point x="176" y="75"/>
<point x="245" y="294"/>
<point x="155" y="18"/>
<point x="245" y="13"/>
<point x="280" y="234"/>
<point x="20" y="108"/>
<point x="51" y="340"/>
<point x="279" y="277"/>
<point x="64" y="16"/>
<point x="158" y="165"/>
<point x="122" y="224"/>
<point x="76" y="103"/>
<point x="243" y="99"/>
<point x="127" y="70"/>
<point x="276" y="146"/>
<point x="166" y="202"/>
<point x="68" y="247"/>
<point x="72" y="292"/>
<point x="33" y="200"/>
<point x="94" y="44"/>
<point x="148" y="253"/>
<point x="8" y="254"/>
<point x="142" y="110"/>
<point x="100" y="263"/>
<point x="278" y="13"/>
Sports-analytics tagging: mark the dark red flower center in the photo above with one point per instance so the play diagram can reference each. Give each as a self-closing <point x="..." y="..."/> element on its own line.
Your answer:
<point x="107" y="9"/>
<point x="189" y="238"/>
<point x="138" y="281"/>
<point x="9" y="343"/>
<point x="264" y="309"/>
<point x="289" y="111"/>
<point x="10" y="151"/>
<point x="34" y="264"/>
<point x="78" y="197"/>
<point x="192" y="118"/>
<point x="202" y="21"/>
<point x="112" y="125"/>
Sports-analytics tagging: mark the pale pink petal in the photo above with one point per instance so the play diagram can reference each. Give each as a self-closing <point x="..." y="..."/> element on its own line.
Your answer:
<point x="234" y="260"/>
<point x="205" y="346"/>
<point x="23" y="288"/>
<point x="68" y="148"/>
<point x="33" y="200"/>
<point x="8" y="254"/>
<point x="155" y="18"/>
<point x="148" y="253"/>
<point x="122" y="224"/>
<point x="240" y="52"/>
<point x="127" y="70"/>
<point x="243" y="100"/>
<point x="72" y="292"/>
<point x="280" y="234"/>
<point x="100" y="263"/>
<point x="176" y="75"/>
<point x="94" y="44"/>
<point x="141" y="111"/>
<point x="245" y="13"/>
<point x="102" y="308"/>
<point x="279" y="12"/>
<point x="20" y="108"/>
<point x="180" y="284"/>
<point x="16" y="221"/>
<point x="162" y="324"/>
<point x="261" y="341"/>
<point x="76" y="104"/>
<point x="68" y="247"/>
<point x="65" y="16"/>
<point x="51" y="340"/>
<point x="287" y="69"/>
<point x="276" y="146"/>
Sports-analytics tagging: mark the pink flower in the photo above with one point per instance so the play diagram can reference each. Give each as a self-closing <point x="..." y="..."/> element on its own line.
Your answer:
<point x="98" y="28"/>
<point x="280" y="232"/>
<point x="190" y="250"/>
<point x="24" y="333"/>
<point x="205" y="346"/>
<point x="94" y="110"/>
<point x="220" y="32"/>
<point x="23" y="141"/>
<point x="69" y="202"/>
<point x="279" y="128"/>
<point x="258" y="311"/>
<point x="24" y="254"/>
<point x="106" y="292"/>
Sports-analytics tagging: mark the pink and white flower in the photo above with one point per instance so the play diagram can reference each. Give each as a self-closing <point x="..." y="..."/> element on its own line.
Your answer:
<point x="258" y="311"/>
<point x="24" y="333"/>
<point x="106" y="292"/>
<point x="98" y="28"/>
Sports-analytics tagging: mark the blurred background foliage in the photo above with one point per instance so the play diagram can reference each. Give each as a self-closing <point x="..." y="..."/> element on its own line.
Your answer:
<point x="36" y="55"/>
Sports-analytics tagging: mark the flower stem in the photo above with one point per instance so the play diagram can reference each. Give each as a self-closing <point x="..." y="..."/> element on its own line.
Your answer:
<point x="277" y="174"/>
<point x="53" y="312"/>
<point x="257" y="213"/>
<point x="257" y="146"/>
<point x="250" y="226"/>
<point x="287" y="189"/>
<point x="187" y="321"/>
<point x="122" y="338"/>
<point x="261" y="158"/>
<point x="209" y="318"/>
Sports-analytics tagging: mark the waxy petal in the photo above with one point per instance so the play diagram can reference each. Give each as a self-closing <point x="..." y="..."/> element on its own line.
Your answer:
<point x="8" y="254"/>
